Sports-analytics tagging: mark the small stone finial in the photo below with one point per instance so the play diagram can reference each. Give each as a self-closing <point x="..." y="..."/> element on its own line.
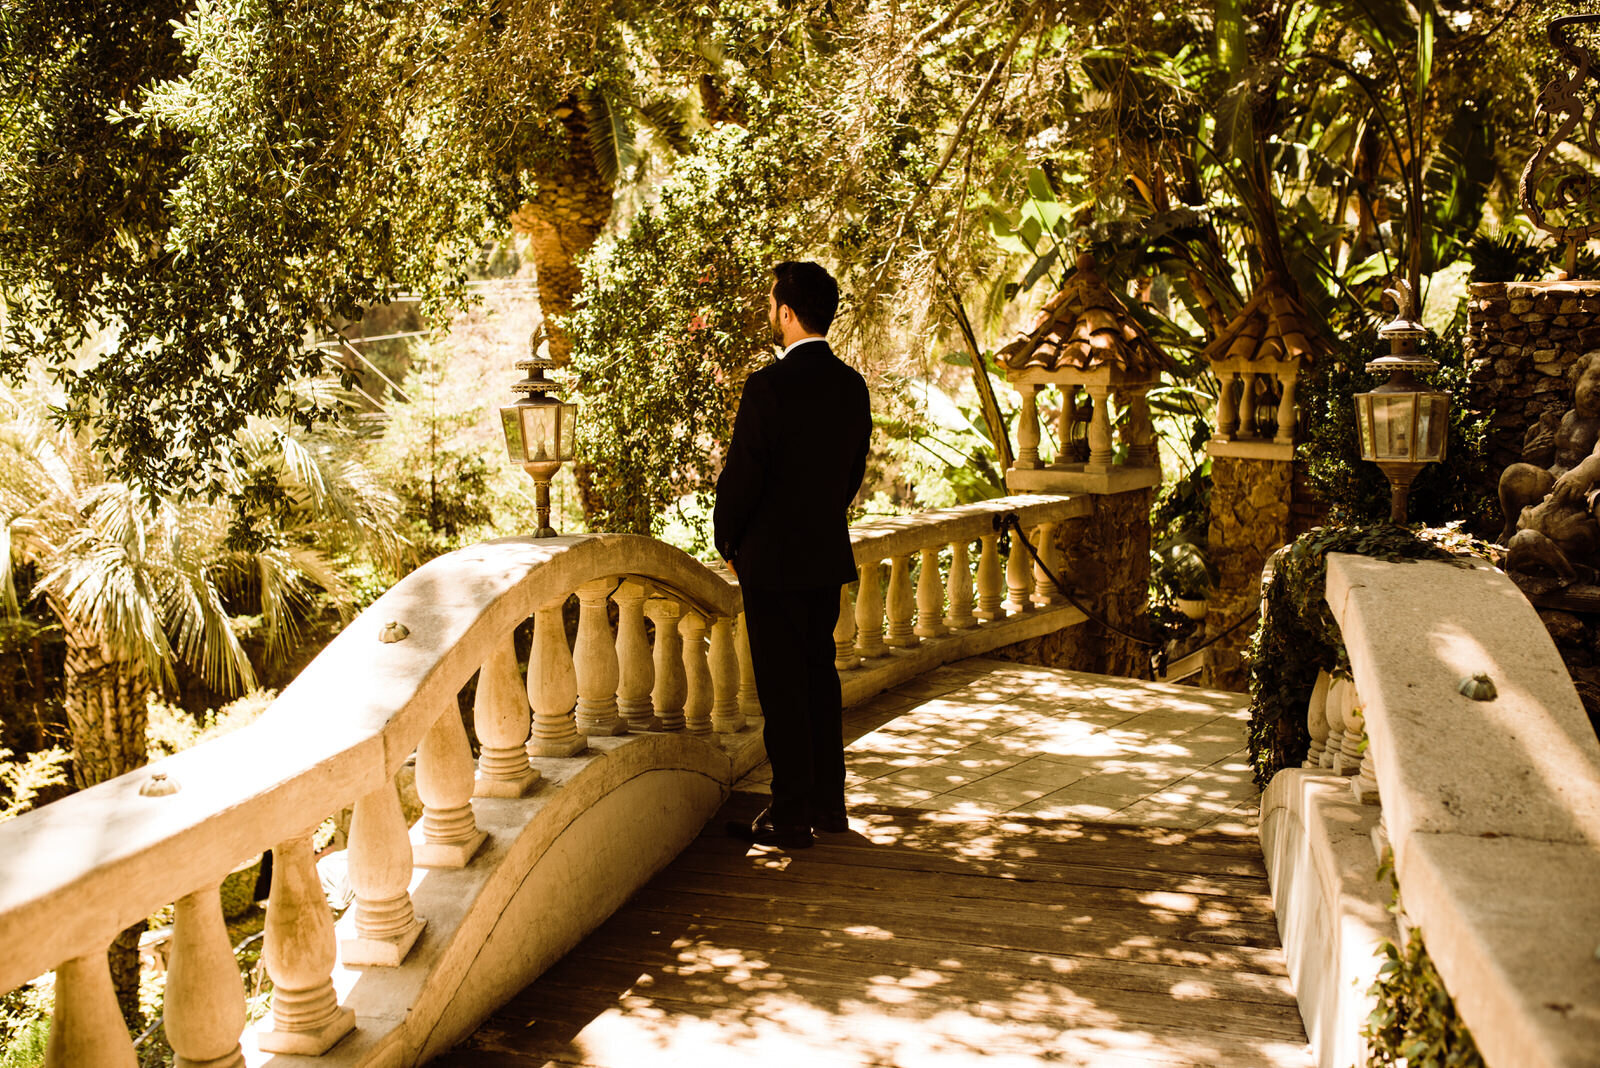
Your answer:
<point x="158" y="785"/>
<point x="1479" y="687"/>
<point x="1405" y="301"/>
<point x="394" y="631"/>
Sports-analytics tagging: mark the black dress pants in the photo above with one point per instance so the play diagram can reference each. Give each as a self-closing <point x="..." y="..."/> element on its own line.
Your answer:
<point x="791" y="649"/>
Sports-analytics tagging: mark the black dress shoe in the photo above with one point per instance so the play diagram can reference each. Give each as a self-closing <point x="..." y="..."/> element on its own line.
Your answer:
<point x="830" y="820"/>
<point x="763" y="831"/>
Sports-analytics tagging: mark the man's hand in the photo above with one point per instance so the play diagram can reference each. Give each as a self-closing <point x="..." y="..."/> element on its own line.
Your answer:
<point x="731" y="569"/>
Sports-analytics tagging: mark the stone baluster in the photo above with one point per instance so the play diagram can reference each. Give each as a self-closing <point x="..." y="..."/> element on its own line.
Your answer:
<point x="1352" y="746"/>
<point x="1247" y="407"/>
<point x="930" y="597"/>
<point x="1317" y="721"/>
<point x="845" y="657"/>
<point x="991" y="580"/>
<point x="1286" y="416"/>
<point x="204" y="1001"/>
<point x="299" y="951"/>
<point x="672" y="686"/>
<point x="552" y="688"/>
<point x="1141" y="431"/>
<point x="697" y="703"/>
<point x="594" y="660"/>
<point x="1028" y="429"/>
<point x="380" y="859"/>
<point x="1100" y="452"/>
<point x="86" y="1026"/>
<point x="1045" y="590"/>
<point x="1365" y="784"/>
<point x="725" y="715"/>
<point x="958" y="591"/>
<point x="450" y="834"/>
<point x="749" y="696"/>
<point x="501" y="716"/>
<point x="1333" y="709"/>
<point x="1064" y="424"/>
<point x="869" y="612"/>
<point x="1227" y="413"/>
<point x="902" y="605"/>
<point x="1019" y="576"/>
<point x="636" y="673"/>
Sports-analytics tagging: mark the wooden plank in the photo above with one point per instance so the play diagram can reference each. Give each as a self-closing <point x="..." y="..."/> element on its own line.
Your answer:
<point x="907" y="909"/>
<point x="702" y="980"/>
<point x="642" y="935"/>
<point x="1043" y="884"/>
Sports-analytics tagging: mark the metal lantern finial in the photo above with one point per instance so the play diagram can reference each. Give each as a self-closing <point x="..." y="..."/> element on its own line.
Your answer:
<point x="1402" y="423"/>
<point x="540" y="429"/>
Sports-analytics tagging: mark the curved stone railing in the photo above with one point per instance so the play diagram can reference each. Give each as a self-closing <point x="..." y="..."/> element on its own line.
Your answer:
<point x="594" y="769"/>
<point x="1491" y="808"/>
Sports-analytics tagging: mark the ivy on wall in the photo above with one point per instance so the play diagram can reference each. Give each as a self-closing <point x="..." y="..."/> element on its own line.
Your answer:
<point x="1298" y="636"/>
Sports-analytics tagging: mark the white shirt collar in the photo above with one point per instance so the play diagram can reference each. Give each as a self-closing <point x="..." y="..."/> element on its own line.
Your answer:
<point x="802" y="341"/>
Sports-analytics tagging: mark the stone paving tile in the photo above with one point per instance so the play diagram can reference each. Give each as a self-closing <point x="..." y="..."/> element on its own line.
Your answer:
<point x="986" y="737"/>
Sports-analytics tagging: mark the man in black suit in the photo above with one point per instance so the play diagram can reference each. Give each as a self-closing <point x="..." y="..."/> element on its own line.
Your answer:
<point x="798" y="453"/>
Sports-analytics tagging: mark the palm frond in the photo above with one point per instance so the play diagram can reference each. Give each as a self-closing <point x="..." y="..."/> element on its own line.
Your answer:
<point x="610" y="137"/>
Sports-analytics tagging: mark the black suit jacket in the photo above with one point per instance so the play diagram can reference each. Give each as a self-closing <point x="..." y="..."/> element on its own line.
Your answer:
<point x="798" y="453"/>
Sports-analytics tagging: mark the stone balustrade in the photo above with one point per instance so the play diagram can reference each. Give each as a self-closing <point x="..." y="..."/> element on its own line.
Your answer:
<point x="82" y="869"/>
<point x="909" y="616"/>
<point x="1489" y="806"/>
<point x="595" y="765"/>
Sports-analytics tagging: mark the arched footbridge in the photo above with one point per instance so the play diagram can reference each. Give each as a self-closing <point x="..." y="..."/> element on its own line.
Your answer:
<point x="1043" y="866"/>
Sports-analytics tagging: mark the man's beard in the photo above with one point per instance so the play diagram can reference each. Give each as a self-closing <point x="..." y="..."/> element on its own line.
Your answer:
<point x="777" y="331"/>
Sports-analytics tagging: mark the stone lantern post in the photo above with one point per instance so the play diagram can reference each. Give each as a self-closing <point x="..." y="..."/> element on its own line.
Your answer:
<point x="1258" y="359"/>
<point x="1085" y="343"/>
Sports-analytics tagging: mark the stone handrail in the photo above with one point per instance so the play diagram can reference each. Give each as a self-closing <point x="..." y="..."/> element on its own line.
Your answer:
<point x="1491" y="805"/>
<point x="80" y="870"/>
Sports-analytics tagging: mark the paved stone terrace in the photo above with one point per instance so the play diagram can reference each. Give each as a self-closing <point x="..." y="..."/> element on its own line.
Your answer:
<point x="1043" y="867"/>
<point x="989" y="738"/>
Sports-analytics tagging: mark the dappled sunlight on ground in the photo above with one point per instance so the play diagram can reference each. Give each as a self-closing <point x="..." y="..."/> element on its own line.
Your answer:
<point x="1041" y="867"/>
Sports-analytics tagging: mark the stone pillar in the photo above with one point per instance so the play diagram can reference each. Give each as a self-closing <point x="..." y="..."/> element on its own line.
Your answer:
<point x="1105" y="556"/>
<point x="1250" y="519"/>
<point x="1522" y="340"/>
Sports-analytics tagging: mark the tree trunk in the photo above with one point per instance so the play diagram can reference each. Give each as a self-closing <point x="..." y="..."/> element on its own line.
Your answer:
<point x="563" y="221"/>
<point x="106" y="694"/>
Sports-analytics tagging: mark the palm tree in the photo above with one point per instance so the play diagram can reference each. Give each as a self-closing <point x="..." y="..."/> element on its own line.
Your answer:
<point x="139" y="584"/>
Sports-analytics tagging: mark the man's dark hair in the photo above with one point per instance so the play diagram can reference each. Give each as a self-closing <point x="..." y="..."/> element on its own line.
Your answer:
<point x="810" y="292"/>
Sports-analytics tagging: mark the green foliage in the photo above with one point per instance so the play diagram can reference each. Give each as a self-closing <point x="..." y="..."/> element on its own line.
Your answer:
<point x="672" y="319"/>
<point x="1356" y="490"/>
<point x="1297" y="636"/>
<point x="25" y="1025"/>
<point x="1415" y="1021"/>
<point x="215" y="184"/>
<point x="21" y="781"/>
<point x="170" y="729"/>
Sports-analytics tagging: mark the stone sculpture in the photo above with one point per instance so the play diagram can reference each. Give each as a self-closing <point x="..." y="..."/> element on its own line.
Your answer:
<point x="1549" y="499"/>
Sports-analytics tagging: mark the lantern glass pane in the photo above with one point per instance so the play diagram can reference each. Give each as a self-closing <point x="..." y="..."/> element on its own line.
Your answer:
<point x="513" y="431"/>
<point x="1433" y="425"/>
<point x="1364" y="423"/>
<point x="539" y="431"/>
<point x="568" y="431"/>
<point x="1391" y="419"/>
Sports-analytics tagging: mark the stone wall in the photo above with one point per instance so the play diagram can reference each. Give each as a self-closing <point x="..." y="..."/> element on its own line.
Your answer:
<point x="1250" y="517"/>
<point x="1522" y="338"/>
<point x="1106" y="558"/>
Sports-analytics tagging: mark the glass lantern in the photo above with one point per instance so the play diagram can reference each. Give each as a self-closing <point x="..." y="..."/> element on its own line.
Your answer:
<point x="540" y="429"/>
<point x="1402" y="424"/>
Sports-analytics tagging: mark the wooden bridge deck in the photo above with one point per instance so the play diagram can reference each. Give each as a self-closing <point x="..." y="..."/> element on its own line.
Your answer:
<point x="970" y="925"/>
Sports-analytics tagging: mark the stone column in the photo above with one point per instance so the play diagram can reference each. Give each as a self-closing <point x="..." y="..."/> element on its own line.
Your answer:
<point x="636" y="674"/>
<point x="1250" y="510"/>
<point x="205" y="995"/>
<point x="501" y="715"/>
<point x="595" y="662"/>
<point x="450" y="834"/>
<point x="299" y="951"/>
<point x="380" y="859"/>
<point x="672" y="686"/>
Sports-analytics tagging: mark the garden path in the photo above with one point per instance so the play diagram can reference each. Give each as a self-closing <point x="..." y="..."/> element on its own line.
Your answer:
<point x="1043" y="866"/>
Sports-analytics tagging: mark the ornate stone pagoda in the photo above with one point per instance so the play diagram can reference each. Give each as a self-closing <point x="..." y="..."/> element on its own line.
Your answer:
<point x="1085" y="342"/>
<point x="1258" y="357"/>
